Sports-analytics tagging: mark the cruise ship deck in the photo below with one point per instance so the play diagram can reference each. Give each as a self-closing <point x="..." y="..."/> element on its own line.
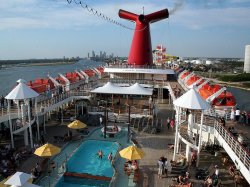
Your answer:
<point x="234" y="151"/>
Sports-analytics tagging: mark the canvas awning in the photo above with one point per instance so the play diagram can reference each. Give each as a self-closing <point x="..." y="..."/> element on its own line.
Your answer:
<point x="18" y="179"/>
<point x="21" y="91"/>
<point x="192" y="100"/>
<point x="110" y="88"/>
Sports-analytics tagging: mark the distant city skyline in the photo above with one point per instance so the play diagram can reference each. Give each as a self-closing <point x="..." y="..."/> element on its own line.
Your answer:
<point x="53" y="29"/>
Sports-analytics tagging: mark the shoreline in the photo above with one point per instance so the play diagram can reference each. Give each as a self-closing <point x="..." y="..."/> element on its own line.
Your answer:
<point x="231" y="84"/>
<point x="45" y="64"/>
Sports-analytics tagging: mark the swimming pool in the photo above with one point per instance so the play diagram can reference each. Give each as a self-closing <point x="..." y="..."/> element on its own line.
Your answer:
<point x="86" y="160"/>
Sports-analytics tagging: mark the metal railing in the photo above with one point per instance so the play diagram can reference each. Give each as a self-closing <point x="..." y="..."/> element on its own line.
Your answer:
<point x="48" y="101"/>
<point x="235" y="145"/>
<point x="128" y="66"/>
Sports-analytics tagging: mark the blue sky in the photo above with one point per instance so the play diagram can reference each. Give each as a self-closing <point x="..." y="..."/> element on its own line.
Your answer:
<point x="54" y="28"/>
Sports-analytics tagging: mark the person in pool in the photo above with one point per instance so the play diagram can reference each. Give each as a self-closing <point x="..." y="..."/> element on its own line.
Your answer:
<point x="110" y="157"/>
<point x="100" y="154"/>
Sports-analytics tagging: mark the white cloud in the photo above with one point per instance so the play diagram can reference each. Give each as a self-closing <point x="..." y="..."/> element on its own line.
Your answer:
<point x="59" y="14"/>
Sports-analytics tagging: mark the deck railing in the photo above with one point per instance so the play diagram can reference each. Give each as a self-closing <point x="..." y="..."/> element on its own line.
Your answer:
<point x="235" y="145"/>
<point x="129" y="66"/>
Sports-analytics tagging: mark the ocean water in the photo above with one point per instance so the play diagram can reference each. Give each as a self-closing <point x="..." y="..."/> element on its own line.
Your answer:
<point x="9" y="76"/>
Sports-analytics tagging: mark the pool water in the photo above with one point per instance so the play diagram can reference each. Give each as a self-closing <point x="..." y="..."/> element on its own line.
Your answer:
<point x="86" y="160"/>
<point x="80" y="182"/>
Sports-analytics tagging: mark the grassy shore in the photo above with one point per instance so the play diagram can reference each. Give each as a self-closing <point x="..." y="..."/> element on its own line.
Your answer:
<point x="46" y="64"/>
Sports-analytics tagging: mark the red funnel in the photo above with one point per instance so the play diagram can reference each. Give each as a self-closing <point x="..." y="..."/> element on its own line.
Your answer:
<point x="141" y="49"/>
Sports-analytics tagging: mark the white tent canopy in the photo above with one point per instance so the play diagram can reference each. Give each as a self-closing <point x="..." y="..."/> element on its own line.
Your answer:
<point x="110" y="88"/>
<point x="21" y="91"/>
<point x="18" y="179"/>
<point x="192" y="100"/>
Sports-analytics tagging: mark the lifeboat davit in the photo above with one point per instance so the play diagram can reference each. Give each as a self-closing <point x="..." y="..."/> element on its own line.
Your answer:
<point x="41" y="85"/>
<point x="100" y="69"/>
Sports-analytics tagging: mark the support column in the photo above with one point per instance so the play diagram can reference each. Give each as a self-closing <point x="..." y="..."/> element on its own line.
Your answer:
<point x="190" y="125"/>
<point x="188" y="153"/>
<point x="178" y="145"/>
<point x="176" y="132"/>
<point x="38" y="127"/>
<point x="18" y="110"/>
<point x="11" y="133"/>
<point x="30" y="126"/>
<point x="62" y="116"/>
<point x="44" y="129"/>
<point x="200" y="138"/>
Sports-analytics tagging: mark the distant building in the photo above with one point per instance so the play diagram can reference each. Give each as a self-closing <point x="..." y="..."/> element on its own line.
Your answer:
<point x="247" y="59"/>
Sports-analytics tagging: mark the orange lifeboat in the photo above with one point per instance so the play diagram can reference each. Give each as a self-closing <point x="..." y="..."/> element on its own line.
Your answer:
<point x="73" y="77"/>
<point x="192" y="80"/>
<point x="185" y="74"/>
<point x="224" y="99"/>
<point x="89" y="72"/>
<point x="41" y="85"/>
<point x="207" y="90"/>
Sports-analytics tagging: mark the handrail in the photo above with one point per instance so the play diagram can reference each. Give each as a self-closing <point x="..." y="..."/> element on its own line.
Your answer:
<point x="235" y="145"/>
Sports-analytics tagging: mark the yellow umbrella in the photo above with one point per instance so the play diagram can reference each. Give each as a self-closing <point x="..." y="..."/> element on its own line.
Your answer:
<point x="47" y="150"/>
<point x="77" y="125"/>
<point x="132" y="153"/>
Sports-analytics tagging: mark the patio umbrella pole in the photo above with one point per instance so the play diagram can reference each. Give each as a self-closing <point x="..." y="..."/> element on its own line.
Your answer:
<point x="129" y="123"/>
<point x="106" y="118"/>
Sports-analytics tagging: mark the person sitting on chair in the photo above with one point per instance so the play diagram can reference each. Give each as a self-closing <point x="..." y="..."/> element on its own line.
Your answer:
<point x="208" y="182"/>
<point x="232" y="169"/>
<point x="115" y="128"/>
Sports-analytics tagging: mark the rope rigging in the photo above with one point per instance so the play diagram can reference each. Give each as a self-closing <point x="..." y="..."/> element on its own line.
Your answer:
<point x="101" y="15"/>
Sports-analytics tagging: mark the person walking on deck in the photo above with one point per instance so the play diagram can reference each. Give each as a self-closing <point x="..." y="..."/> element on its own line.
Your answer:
<point x="237" y="114"/>
<point x="168" y="123"/>
<point x="232" y="114"/>
<point x="160" y="168"/>
<point x="172" y="124"/>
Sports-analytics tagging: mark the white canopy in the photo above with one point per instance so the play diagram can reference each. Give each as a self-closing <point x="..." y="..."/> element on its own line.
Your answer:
<point x="18" y="179"/>
<point x="21" y="91"/>
<point x="192" y="100"/>
<point x="110" y="88"/>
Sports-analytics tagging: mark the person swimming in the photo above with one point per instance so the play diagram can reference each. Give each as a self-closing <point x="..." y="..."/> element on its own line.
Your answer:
<point x="100" y="154"/>
<point x="110" y="157"/>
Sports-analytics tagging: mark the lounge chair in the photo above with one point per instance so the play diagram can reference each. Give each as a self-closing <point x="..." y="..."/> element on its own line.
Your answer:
<point x="136" y="176"/>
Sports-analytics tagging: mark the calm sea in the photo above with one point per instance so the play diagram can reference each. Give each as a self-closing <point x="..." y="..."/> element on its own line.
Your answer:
<point x="9" y="76"/>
